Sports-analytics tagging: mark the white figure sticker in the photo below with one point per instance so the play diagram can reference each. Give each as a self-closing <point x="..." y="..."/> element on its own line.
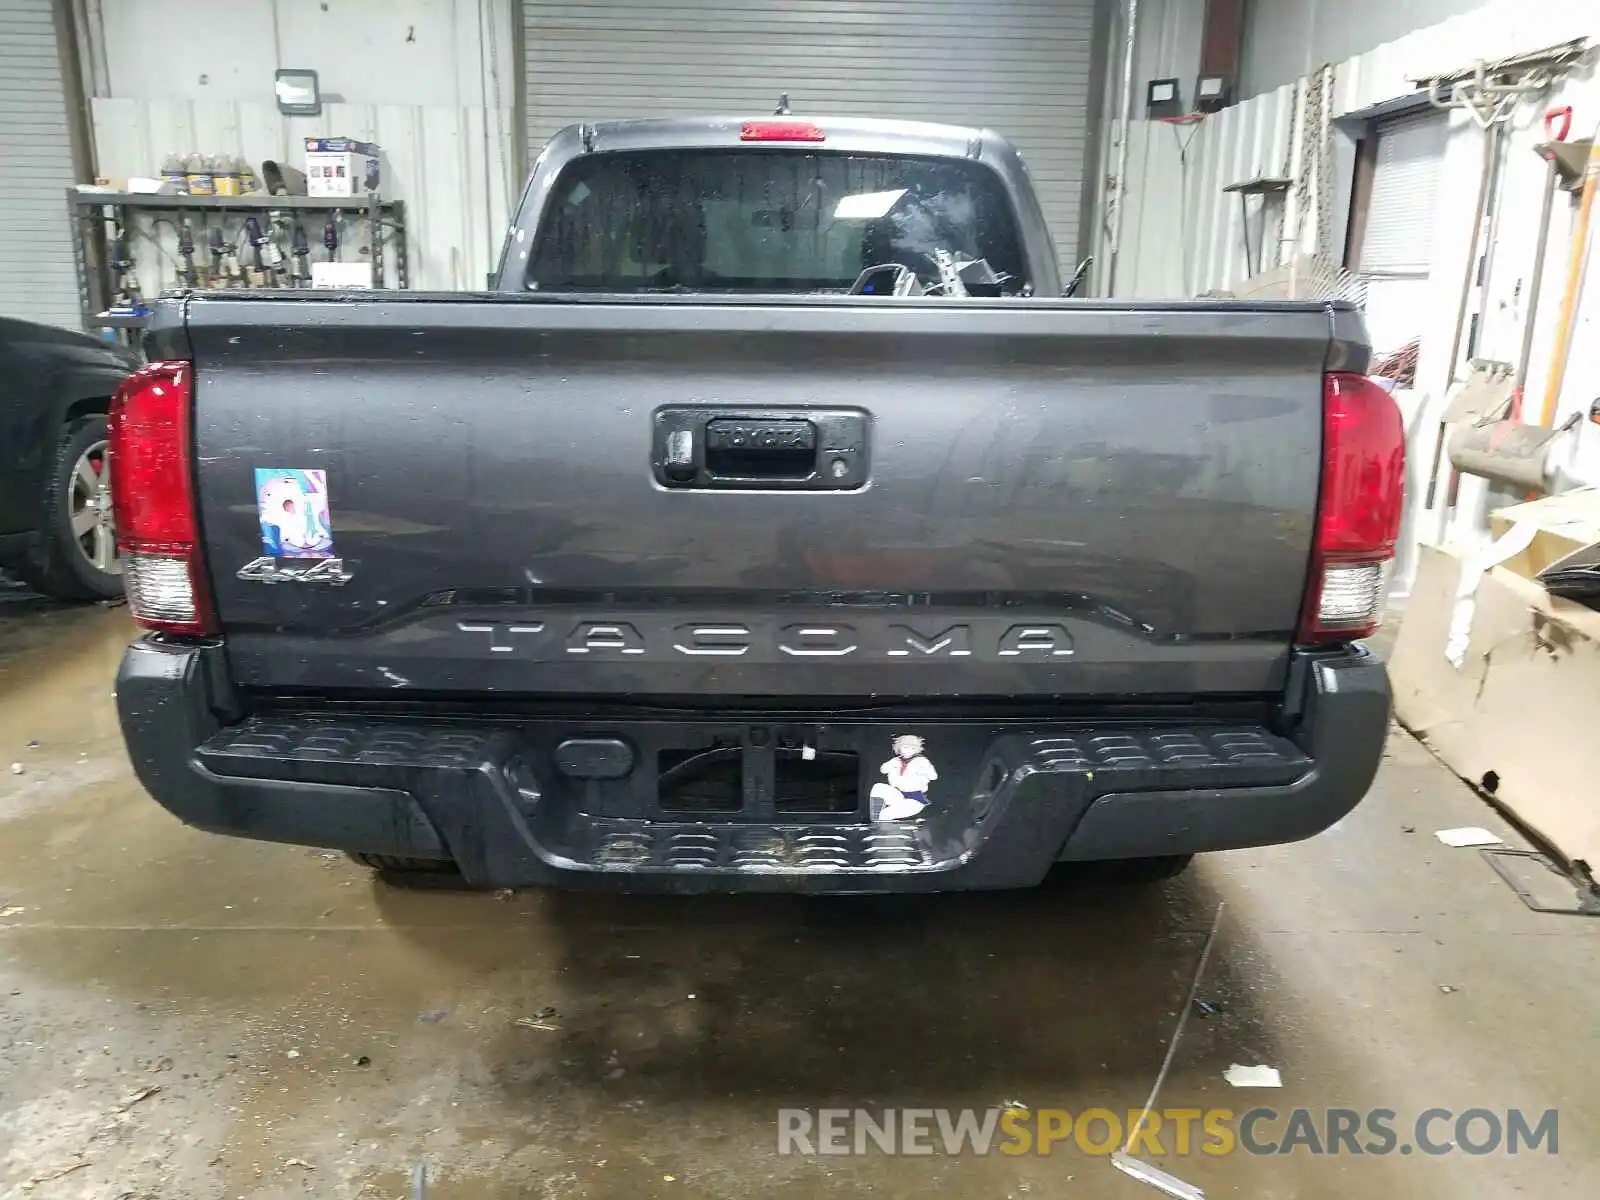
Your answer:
<point x="905" y="794"/>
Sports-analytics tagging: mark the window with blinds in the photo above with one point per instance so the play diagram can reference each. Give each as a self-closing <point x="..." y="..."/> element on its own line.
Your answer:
<point x="1398" y="240"/>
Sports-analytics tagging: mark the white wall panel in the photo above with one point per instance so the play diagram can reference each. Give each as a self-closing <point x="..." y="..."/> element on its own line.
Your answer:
<point x="455" y="186"/>
<point x="1285" y="39"/>
<point x="430" y="81"/>
<point x="426" y="53"/>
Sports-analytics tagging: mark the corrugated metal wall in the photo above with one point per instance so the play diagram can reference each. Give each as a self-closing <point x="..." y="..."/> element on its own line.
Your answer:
<point x="1022" y="67"/>
<point x="1182" y="234"/>
<point x="37" y="280"/>
<point x="1287" y="37"/>
<point x="453" y="174"/>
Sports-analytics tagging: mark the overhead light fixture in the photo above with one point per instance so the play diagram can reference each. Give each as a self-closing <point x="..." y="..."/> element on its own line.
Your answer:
<point x="1212" y="92"/>
<point x="298" y="94"/>
<point x="1161" y="99"/>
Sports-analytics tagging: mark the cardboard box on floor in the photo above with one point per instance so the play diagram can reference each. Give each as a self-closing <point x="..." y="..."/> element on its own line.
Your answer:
<point x="1524" y="703"/>
<point x="1564" y="524"/>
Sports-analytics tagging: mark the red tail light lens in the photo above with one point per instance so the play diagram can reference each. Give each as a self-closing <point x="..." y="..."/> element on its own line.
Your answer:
<point x="1358" y="511"/>
<point x="152" y="489"/>
<point x="781" y="131"/>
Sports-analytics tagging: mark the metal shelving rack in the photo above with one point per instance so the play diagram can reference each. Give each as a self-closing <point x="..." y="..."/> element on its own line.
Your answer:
<point x="89" y="212"/>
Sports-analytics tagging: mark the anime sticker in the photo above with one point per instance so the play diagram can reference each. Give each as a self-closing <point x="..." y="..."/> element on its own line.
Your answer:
<point x="293" y="507"/>
<point x="908" y="774"/>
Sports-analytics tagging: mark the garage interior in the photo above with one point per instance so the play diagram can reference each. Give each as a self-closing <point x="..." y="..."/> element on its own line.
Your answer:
<point x="187" y="1015"/>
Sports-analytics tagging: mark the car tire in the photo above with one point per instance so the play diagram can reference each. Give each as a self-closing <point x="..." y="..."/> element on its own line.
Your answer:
<point x="1149" y="870"/>
<point x="1119" y="872"/>
<point x="70" y="563"/>
<point x="416" y="874"/>
<point x="393" y="862"/>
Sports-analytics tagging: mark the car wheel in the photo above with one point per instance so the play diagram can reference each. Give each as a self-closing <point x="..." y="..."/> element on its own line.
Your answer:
<point x="76" y="557"/>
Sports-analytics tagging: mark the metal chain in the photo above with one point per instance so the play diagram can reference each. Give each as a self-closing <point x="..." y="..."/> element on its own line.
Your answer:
<point x="1323" y="131"/>
<point x="1308" y="182"/>
<point x="1313" y="186"/>
<point x="1280" y="225"/>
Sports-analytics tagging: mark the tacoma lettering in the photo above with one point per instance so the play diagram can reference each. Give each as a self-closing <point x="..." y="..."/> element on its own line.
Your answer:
<point x="734" y="639"/>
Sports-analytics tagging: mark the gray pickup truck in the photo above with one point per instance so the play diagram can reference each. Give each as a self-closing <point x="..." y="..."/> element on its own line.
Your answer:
<point x="774" y="524"/>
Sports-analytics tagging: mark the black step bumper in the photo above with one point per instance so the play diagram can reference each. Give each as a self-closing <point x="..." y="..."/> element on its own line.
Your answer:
<point x="501" y="800"/>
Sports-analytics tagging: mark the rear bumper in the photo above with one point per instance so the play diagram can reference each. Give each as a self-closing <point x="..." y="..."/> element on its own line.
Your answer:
<point x="495" y="797"/>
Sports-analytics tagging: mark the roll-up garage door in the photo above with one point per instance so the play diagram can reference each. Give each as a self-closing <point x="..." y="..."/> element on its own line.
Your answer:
<point x="1021" y="67"/>
<point x="37" y="278"/>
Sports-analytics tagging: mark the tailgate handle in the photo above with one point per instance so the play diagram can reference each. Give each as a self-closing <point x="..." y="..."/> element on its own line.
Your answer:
<point x="739" y="448"/>
<point x="763" y="449"/>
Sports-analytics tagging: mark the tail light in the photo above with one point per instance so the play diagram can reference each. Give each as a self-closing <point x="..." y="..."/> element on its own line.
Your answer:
<point x="1358" y="510"/>
<point x="152" y="489"/>
<point x="781" y="131"/>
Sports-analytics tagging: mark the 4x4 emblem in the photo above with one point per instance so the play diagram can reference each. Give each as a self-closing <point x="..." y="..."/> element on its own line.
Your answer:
<point x="322" y="570"/>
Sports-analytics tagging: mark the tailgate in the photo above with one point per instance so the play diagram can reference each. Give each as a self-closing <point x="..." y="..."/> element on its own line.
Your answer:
<point x="1019" y="498"/>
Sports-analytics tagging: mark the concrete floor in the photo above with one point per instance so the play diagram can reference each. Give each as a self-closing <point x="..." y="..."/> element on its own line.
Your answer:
<point x="312" y="1033"/>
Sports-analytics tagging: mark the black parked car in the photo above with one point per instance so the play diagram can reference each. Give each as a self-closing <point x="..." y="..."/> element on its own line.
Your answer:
<point x="57" y="529"/>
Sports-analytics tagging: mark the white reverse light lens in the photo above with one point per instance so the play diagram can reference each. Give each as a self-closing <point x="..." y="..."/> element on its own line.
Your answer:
<point x="158" y="587"/>
<point x="1353" y="595"/>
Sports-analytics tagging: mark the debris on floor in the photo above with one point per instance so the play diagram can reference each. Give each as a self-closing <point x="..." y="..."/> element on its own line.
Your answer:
<point x="58" y="1173"/>
<point x="1241" y="1076"/>
<point x="143" y="1093"/>
<point x="1161" y="1180"/>
<point x="1208" y="1008"/>
<point x="1467" y="835"/>
<point x="1544" y="885"/>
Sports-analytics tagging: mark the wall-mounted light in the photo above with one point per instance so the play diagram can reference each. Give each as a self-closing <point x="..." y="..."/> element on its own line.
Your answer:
<point x="1212" y="92"/>
<point x="298" y="94"/>
<point x="1161" y="99"/>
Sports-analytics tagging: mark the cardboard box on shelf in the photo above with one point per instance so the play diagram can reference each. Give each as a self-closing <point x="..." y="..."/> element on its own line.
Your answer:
<point x="1518" y="715"/>
<point x="340" y="167"/>
<point x="341" y="274"/>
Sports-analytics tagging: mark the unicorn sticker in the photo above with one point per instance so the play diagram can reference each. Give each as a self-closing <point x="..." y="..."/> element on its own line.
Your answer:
<point x="293" y="510"/>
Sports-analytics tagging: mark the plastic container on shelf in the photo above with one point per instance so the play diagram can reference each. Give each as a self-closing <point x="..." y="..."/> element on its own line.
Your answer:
<point x="173" y="172"/>
<point x="225" y="176"/>
<point x="198" y="169"/>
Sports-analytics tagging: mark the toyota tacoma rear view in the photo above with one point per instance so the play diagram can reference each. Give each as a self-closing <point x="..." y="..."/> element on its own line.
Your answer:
<point x="774" y="524"/>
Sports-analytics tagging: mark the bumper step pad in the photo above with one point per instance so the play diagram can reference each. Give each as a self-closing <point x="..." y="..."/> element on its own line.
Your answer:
<point x="503" y="815"/>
